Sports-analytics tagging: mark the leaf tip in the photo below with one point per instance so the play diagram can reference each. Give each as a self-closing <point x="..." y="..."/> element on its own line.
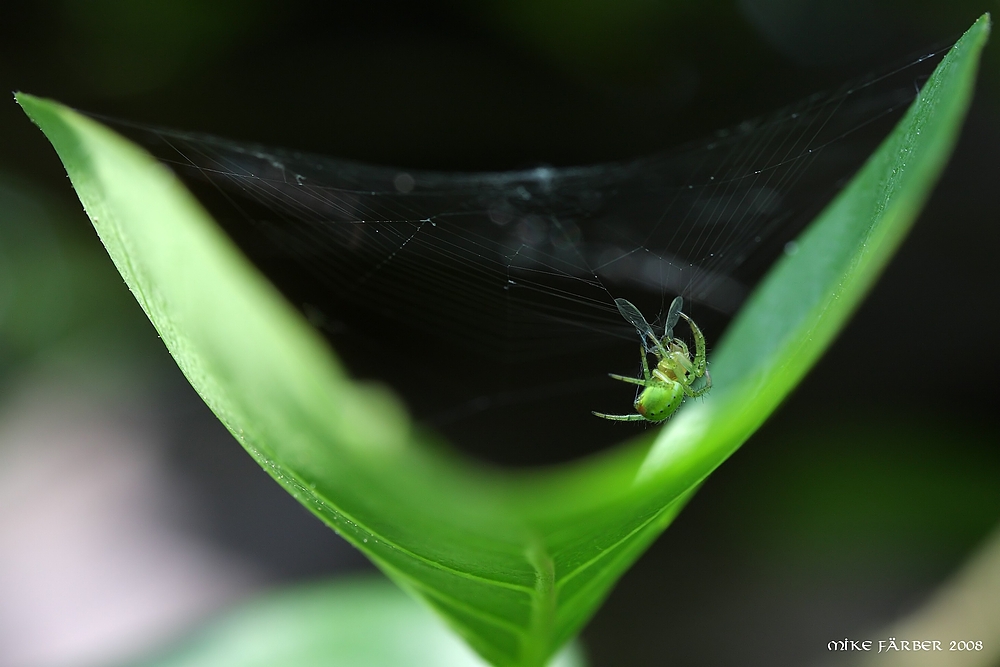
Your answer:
<point x="32" y="105"/>
<point x="24" y="99"/>
<point x="984" y="24"/>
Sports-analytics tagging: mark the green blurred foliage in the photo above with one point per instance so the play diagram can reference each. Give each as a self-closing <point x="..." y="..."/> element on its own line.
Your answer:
<point x="60" y="299"/>
<point x="629" y="41"/>
<point x="458" y="84"/>
<point x="360" y="622"/>
<point x="119" y="47"/>
<point x="638" y="40"/>
<point x="913" y="492"/>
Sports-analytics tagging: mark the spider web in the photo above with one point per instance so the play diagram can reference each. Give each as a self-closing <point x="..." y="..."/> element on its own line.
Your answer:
<point x="487" y="299"/>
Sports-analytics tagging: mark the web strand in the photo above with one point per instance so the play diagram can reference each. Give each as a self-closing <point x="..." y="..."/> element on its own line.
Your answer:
<point x="475" y="294"/>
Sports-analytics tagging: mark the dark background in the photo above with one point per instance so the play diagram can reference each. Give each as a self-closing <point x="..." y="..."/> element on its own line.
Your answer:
<point x="868" y="488"/>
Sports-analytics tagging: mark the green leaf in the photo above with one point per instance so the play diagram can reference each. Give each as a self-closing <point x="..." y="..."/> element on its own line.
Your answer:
<point x="516" y="562"/>
<point x="365" y="622"/>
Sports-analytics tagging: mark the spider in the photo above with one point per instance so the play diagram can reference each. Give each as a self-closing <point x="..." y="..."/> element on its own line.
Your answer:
<point x="676" y="370"/>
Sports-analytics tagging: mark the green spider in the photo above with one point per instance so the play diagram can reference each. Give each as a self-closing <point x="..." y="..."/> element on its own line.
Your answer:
<point x="676" y="370"/>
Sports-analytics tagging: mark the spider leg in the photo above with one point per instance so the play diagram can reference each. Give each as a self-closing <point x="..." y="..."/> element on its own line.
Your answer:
<point x="645" y="364"/>
<point x="694" y="393"/>
<point x="647" y="380"/>
<point x="700" y="363"/>
<point x="631" y="380"/>
<point x="635" y="417"/>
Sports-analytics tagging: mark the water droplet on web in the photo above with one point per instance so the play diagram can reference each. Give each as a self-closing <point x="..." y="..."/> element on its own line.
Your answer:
<point x="404" y="182"/>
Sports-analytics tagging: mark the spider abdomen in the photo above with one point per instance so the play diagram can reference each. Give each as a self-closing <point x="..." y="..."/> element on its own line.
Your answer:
<point x="658" y="402"/>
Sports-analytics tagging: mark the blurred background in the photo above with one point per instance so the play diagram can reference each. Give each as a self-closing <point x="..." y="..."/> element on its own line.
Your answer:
<point x="128" y="515"/>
